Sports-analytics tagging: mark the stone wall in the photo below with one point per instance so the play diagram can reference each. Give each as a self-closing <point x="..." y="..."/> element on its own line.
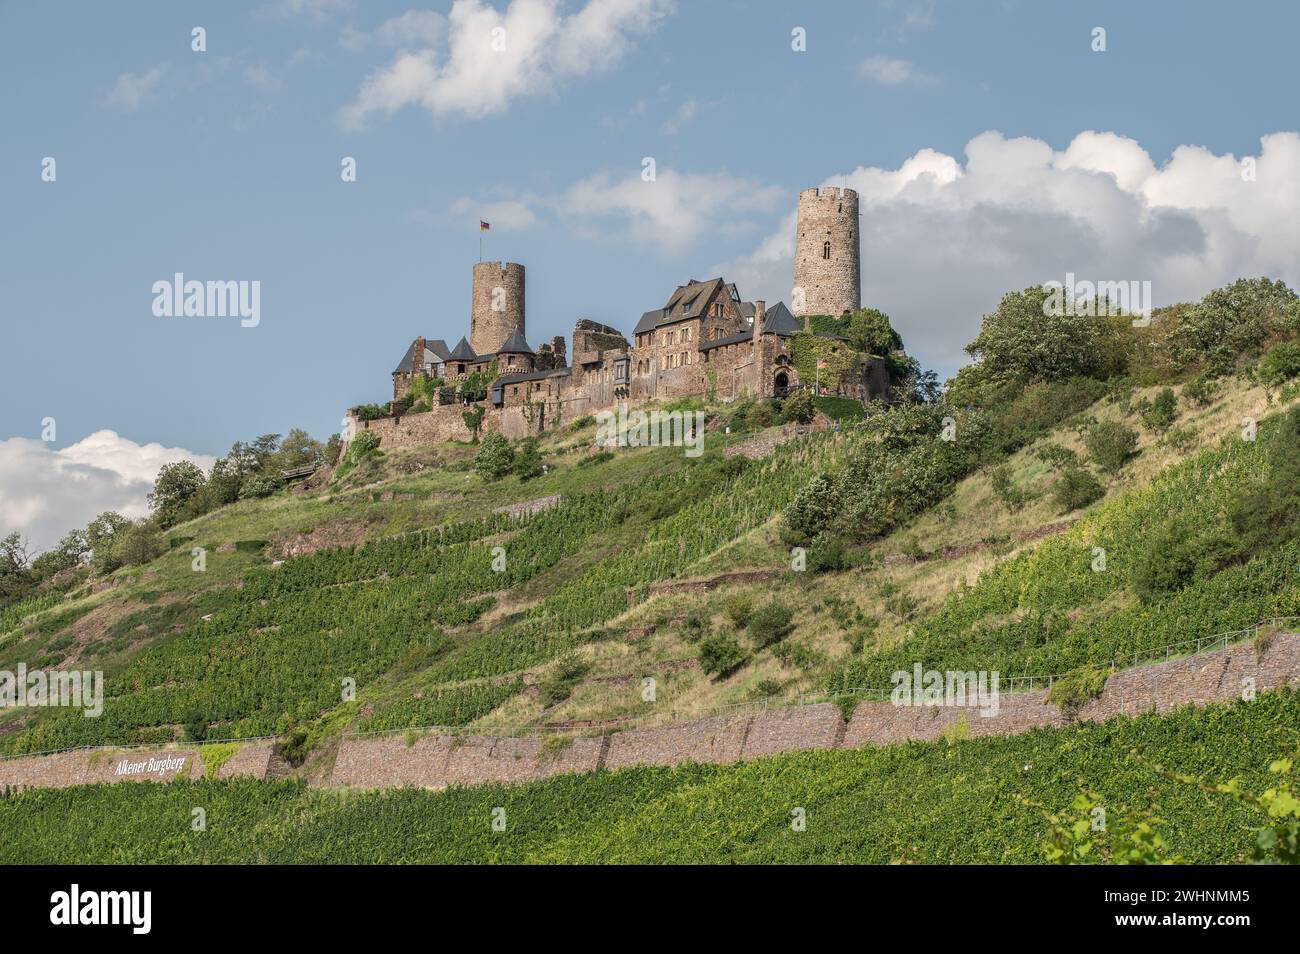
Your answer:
<point x="437" y="761"/>
<point x="91" y="766"/>
<point x="830" y="286"/>
<point x="443" y="423"/>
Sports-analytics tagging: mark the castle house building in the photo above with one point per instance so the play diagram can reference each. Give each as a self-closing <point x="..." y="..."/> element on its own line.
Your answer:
<point x="704" y="342"/>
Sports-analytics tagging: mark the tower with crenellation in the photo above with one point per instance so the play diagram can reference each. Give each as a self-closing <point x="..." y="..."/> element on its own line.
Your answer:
<point x="496" y="305"/>
<point x="827" y="265"/>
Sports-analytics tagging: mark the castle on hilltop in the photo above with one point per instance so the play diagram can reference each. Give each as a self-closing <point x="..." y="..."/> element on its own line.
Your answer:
<point x="705" y="341"/>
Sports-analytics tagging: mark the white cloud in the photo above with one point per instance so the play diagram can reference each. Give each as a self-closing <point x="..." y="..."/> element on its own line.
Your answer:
<point x="943" y="241"/>
<point x="685" y="113"/>
<point x="491" y="58"/>
<point x="133" y="90"/>
<point x="890" y="71"/>
<point x="260" y="76"/>
<point x="672" y="213"/>
<point x="414" y="29"/>
<point x="44" y="493"/>
<point x="505" y="215"/>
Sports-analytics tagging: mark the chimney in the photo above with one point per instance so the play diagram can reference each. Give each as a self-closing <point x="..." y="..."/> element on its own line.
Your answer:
<point x="760" y="310"/>
<point x="417" y="356"/>
<point x="807" y="324"/>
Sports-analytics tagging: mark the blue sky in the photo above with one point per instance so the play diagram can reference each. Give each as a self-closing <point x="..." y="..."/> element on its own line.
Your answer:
<point x="225" y="165"/>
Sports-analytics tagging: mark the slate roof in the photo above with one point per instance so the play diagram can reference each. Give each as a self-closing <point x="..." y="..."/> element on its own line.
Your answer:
<point x="688" y="301"/>
<point x="515" y="344"/>
<point x="777" y="320"/>
<point x="436" y="345"/>
<point x="462" y="352"/>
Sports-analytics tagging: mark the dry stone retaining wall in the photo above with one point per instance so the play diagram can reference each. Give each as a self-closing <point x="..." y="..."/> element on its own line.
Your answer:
<point x="437" y="761"/>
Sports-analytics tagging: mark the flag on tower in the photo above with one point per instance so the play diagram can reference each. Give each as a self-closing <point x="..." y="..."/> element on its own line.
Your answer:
<point x="483" y="226"/>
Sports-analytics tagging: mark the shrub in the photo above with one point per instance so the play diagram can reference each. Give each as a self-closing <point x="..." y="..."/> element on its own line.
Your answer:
<point x="798" y="407"/>
<point x="760" y="415"/>
<point x="1202" y="391"/>
<point x="260" y="485"/>
<point x="720" y="654"/>
<point x="739" y="609"/>
<point x="1160" y="414"/>
<point x="495" y="458"/>
<point x="559" y="683"/>
<point x="139" y="544"/>
<point x="1076" y="488"/>
<point x="1280" y="364"/>
<point x="827" y="556"/>
<point x="814" y="508"/>
<point x="585" y="421"/>
<point x="1056" y="456"/>
<point x="770" y="624"/>
<point x="371" y="412"/>
<point x="1111" y="444"/>
<point x="592" y="460"/>
<point x="1005" y="489"/>
<point x="528" y="460"/>
<point x="292" y="747"/>
<point x="362" y="444"/>
<point x="1073" y="690"/>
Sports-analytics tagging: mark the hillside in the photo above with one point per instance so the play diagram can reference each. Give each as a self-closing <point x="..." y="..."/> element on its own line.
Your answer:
<point x="1036" y="526"/>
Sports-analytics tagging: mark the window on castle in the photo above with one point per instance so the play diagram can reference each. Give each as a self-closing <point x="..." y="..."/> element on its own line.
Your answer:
<point x="717" y="309"/>
<point x="826" y="250"/>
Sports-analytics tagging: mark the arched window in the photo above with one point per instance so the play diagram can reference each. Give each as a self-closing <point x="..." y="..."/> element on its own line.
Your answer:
<point x="826" y="249"/>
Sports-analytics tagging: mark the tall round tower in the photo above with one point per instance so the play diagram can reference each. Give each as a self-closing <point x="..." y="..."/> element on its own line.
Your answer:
<point x="827" y="269"/>
<point x="496" y="305"/>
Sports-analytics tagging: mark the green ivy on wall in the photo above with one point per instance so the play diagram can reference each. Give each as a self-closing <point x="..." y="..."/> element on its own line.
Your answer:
<point x="807" y="350"/>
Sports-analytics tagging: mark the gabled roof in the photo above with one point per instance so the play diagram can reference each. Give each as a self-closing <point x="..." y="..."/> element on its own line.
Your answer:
<point x="779" y="321"/>
<point x="407" y="364"/>
<point x="649" y="321"/>
<point x="438" y="347"/>
<point x="462" y="352"/>
<point x="515" y="344"/>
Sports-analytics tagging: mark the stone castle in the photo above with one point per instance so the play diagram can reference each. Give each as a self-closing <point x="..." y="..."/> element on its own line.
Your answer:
<point x="705" y="341"/>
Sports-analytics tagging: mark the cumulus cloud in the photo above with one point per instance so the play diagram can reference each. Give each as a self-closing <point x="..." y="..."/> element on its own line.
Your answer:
<point x="491" y="57"/>
<point x="414" y="29"/>
<point x="942" y="241"/>
<point x="890" y="71"/>
<point x="671" y="213"/>
<point x="44" y="493"/>
<point x="133" y="90"/>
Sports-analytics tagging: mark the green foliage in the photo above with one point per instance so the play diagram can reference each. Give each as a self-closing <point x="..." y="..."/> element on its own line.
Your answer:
<point x="216" y="755"/>
<point x="1160" y="414"/>
<point x="1280" y="364"/>
<point x="177" y="483"/>
<point x="760" y="414"/>
<point x="770" y="623"/>
<point x="495" y="458"/>
<point x="807" y="351"/>
<point x="138" y="544"/>
<point x="261" y="485"/>
<point x="371" y="412"/>
<point x="528" y="460"/>
<point x="593" y="460"/>
<point x="740" y="607"/>
<point x="1020" y="415"/>
<point x="1095" y="835"/>
<point x="1076" y="688"/>
<point x="473" y="419"/>
<point x="798" y="407"/>
<point x="563" y="677"/>
<point x="363" y="443"/>
<point x="720" y="654"/>
<point x="1005" y="489"/>
<point x="840" y="408"/>
<point x="1233" y="323"/>
<point x="444" y="707"/>
<point x="1075" y="489"/>
<point x="1111" y="444"/>
<point x="1202" y="391"/>
<point x="1023" y="341"/>
<point x="970" y="802"/>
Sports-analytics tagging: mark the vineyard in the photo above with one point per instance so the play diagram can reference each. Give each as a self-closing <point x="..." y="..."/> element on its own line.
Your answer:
<point x="977" y="801"/>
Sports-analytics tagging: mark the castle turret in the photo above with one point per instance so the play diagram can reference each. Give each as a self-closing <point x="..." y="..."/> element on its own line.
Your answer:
<point x="497" y="305"/>
<point x="827" y="269"/>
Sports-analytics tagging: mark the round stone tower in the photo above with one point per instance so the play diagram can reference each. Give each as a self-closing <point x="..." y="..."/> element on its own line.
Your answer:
<point x="827" y="269"/>
<point x="496" y="305"/>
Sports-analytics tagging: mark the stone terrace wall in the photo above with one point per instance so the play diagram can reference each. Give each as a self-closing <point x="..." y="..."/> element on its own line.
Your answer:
<point x="437" y="761"/>
<point x="89" y="766"/>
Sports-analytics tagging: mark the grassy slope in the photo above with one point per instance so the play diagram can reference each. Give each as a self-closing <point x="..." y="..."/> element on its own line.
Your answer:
<point x="970" y="801"/>
<point x="882" y="606"/>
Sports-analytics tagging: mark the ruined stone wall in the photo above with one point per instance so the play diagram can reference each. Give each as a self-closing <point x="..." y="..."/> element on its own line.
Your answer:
<point x="827" y="286"/>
